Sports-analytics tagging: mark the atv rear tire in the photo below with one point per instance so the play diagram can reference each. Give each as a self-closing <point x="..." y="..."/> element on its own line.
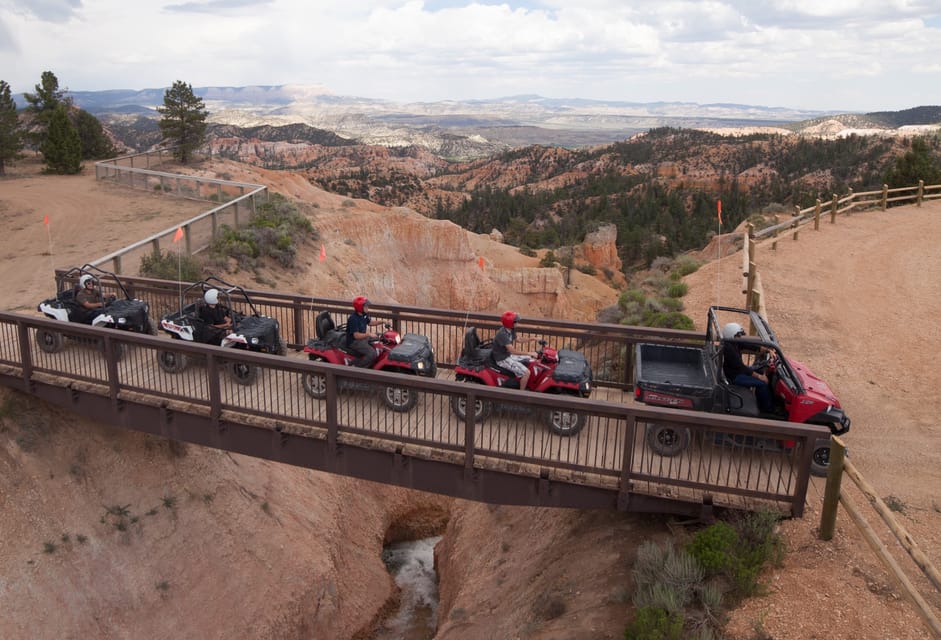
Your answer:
<point x="149" y="327"/>
<point x="566" y="423"/>
<point x="399" y="398"/>
<point x="242" y="372"/>
<point x="482" y="408"/>
<point x="48" y="341"/>
<point x="315" y="384"/>
<point x="171" y="362"/>
<point x="667" y="440"/>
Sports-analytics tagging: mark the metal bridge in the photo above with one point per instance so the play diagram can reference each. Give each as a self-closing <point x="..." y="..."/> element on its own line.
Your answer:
<point x="511" y="457"/>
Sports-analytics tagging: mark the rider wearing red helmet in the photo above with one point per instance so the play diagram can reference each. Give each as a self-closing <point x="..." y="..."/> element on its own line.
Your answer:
<point x="358" y="338"/>
<point x="506" y="354"/>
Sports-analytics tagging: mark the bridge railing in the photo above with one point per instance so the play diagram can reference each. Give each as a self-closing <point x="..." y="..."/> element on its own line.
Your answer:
<point x="609" y="452"/>
<point x="608" y="347"/>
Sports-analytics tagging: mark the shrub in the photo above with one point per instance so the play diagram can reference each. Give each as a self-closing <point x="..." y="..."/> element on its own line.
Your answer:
<point x="686" y="265"/>
<point x="527" y="251"/>
<point x="670" y="320"/>
<point x="677" y="290"/>
<point x="651" y="623"/>
<point x="548" y="260"/>
<point x="587" y="269"/>
<point x="273" y="232"/>
<point x="166" y="265"/>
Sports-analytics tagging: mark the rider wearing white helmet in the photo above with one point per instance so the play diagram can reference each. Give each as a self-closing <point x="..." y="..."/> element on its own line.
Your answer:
<point x="216" y="316"/>
<point x="89" y="295"/>
<point x="737" y="372"/>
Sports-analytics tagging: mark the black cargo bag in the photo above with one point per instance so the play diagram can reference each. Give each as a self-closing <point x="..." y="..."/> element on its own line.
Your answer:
<point x="572" y="367"/>
<point x="414" y="348"/>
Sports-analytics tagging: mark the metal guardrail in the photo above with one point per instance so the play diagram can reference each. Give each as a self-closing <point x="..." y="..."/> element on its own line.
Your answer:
<point x="238" y="203"/>
<point x="608" y="456"/>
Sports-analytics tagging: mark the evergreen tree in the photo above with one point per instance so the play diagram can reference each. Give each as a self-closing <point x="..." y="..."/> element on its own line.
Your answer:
<point x="184" y="120"/>
<point x="917" y="164"/>
<point x="11" y="135"/>
<point x="42" y="105"/>
<point x="62" y="149"/>
<point x="95" y="144"/>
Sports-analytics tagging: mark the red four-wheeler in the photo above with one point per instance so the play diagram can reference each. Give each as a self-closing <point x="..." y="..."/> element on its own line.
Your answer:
<point x="556" y="371"/>
<point x="692" y="378"/>
<point x="409" y="355"/>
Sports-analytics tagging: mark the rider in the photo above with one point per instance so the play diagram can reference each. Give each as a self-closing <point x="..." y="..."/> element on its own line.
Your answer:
<point x="358" y="338"/>
<point x="217" y="317"/>
<point x="89" y="295"/>
<point x="737" y="372"/>
<point x="505" y="354"/>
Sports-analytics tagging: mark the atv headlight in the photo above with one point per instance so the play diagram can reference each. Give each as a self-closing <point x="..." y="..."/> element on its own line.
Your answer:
<point x="122" y="320"/>
<point x="255" y="340"/>
<point x="420" y="366"/>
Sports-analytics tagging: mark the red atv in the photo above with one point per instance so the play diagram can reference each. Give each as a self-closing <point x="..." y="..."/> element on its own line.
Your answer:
<point x="561" y="371"/>
<point x="411" y="355"/>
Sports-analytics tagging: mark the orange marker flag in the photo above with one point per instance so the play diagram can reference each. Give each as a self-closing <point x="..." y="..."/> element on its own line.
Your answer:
<point x="178" y="234"/>
<point x="480" y="262"/>
<point x="45" y="220"/>
<point x="323" y="253"/>
<point x="719" y="203"/>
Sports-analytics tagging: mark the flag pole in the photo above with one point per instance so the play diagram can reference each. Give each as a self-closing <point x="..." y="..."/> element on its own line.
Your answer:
<point x="718" y="248"/>
<point x="45" y="222"/>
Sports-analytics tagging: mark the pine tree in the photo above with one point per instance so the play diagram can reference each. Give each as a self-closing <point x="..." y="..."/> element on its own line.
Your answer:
<point x="42" y="105"/>
<point x="95" y="144"/>
<point x="184" y="120"/>
<point x="62" y="149"/>
<point x="11" y="135"/>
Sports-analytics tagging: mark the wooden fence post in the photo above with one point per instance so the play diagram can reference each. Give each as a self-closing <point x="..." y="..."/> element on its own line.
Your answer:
<point x="833" y="208"/>
<point x="921" y="192"/>
<point x="885" y="196"/>
<point x="831" y="496"/>
<point x="850" y="196"/>
<point x="817" y="209"/>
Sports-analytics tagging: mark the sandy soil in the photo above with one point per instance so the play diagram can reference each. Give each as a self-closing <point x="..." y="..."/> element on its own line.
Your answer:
<point x="857" y="301"/>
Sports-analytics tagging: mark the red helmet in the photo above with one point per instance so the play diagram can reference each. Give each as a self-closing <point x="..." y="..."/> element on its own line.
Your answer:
<point x="359" y="304"/>
<point x="509" y="319"/>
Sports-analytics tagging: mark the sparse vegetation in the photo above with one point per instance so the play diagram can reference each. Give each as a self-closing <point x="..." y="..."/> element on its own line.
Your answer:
<point x="49" y="547"/>
<point x="681" y="593"/>
<point x="275" y="232"/>
<point x="167" y="265"/>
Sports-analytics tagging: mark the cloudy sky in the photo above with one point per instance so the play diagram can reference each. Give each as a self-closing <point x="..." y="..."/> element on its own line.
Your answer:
<point x="852" y="55"/>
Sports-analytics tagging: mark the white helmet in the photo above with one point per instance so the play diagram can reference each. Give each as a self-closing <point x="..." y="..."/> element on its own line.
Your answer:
<point x="212" y="296"/>
<point x="732" y="330"/>
<point x="85" y="279"/>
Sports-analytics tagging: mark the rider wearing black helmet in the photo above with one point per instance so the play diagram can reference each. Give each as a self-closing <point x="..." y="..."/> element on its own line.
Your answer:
<point x="506" y="354"/>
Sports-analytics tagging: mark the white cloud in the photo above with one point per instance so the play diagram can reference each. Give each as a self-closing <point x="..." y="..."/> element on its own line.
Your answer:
<point x="816" y="54"/>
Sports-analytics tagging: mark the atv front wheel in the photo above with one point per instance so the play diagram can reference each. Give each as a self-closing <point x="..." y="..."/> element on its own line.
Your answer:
<point x="171" y="362"/>
<point x="667" y="440"/>
<point x="49" y="341"/>
<point x="149" y="327"/>
<point x="315" y="384"/>
<point x="399" y="398"/>
<point x="482" y="408"/>
<point x="242" y="372"/>
<point x="565" y="423"/>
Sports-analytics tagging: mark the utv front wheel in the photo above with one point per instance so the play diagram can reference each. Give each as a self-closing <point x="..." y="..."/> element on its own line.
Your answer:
<point x="242" y="372"/>
<point x="399" y="398"/>
<point x="171" y="362"/>
<point x="565" y="423"/>
<point x="49" y="341"/>
<point x="820" y="460"/>
<point x="667" y="440"/>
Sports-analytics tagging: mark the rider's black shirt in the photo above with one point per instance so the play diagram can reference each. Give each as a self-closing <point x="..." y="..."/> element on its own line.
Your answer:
<point x="732" y="363"/>
<point x="357" y="323"/>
